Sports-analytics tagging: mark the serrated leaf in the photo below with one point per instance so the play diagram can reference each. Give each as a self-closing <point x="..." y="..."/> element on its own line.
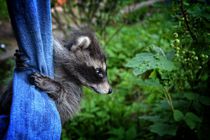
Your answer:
<point x="163" y="129"/>
<point x="147" y="61"/>
<point x="178" y="115"/>
<point x="192" y="120"/>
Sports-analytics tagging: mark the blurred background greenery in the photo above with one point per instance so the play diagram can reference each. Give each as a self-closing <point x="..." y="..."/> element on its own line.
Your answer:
<point x="158" y="65"/>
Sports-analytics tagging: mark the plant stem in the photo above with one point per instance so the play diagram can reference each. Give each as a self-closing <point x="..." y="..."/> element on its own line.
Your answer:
<point x="115" y="33"/>
<point x="186" y="21"/>
<point x="168" y="98"/>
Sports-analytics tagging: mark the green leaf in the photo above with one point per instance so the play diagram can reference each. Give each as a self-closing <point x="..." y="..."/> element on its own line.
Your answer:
<point x="118" y="133"/>
<point x="87" y="115"/>
<point x="163" y="129"/>
<point x="204" y="100"/>
<point x="192" y="120"/>
<point x="178" y="115"/>
<point x="147" y="61"/>
<point x="131" y="133"/>
<point x="150" y="118"/>
<point x="191" y="96"/>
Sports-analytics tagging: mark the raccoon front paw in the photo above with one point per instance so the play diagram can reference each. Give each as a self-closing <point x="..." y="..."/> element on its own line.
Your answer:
<point x="39" y="80"/>
<point x="52" y="87"/>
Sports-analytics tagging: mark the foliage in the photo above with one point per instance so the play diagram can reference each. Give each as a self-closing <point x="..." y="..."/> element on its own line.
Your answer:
<point x="147" y="61"/>
<point x="191" y="74"/>
<point x="6" y="71"/>
<point x="96" y="14"/>
<point x="117" y="116"/>
<point x="3" y="11"/>
<point x="167" y="95"/>
<point x="93" y="13"/>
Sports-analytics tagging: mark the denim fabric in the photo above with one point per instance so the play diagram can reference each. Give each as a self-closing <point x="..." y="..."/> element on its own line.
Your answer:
<point x="3" y="125"/>
<point x="33" y="114"/>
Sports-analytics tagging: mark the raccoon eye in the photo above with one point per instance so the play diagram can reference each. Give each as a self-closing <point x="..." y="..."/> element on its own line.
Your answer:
<point x="99" y="72"/>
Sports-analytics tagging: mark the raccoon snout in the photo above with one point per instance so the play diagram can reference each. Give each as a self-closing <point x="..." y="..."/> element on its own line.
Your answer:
<point x="110" y="91"/>
<point x="103" y="88"/>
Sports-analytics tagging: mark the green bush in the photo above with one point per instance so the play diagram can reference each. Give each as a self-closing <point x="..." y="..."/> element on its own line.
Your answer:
<point x="182" y="76"/>
<point x="166" y="97"/>
<point x="116" y="116"/>
<point x="3" y="11"/>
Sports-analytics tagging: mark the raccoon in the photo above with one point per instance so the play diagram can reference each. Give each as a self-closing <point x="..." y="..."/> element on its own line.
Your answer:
<point x="80" y="62"/>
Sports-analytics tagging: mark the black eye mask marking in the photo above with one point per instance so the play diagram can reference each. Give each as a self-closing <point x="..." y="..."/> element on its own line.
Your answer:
<point x="99" y="73"/>
<point x="90" y="74"/>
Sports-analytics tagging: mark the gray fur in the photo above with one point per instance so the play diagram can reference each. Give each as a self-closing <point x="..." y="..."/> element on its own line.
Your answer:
<point x="73" y="68"/>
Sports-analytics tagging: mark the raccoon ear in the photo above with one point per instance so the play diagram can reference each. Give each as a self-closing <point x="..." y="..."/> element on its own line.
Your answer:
<point x="82" y="42"/>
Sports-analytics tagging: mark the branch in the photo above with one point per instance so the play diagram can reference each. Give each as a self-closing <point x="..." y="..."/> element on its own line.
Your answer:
<point x="115" y="33"/>
<point x="184" y="14"/>
<point x="134" y="7"/>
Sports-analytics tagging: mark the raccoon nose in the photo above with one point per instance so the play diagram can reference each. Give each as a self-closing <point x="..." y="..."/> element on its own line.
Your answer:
<point x="110" y="91"/>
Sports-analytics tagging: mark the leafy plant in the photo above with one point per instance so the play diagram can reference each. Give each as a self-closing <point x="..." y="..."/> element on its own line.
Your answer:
<point x="189" y="73"/>
<point x="117" y="116"/>
<point x="3" y="12"/>
<point x="147" y="61"/>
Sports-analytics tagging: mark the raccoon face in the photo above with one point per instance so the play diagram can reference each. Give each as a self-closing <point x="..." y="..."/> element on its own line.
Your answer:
<point x="89" y="65"/>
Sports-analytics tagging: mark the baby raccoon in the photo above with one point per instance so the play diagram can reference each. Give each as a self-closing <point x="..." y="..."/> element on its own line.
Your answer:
<point x="80" y="63"/>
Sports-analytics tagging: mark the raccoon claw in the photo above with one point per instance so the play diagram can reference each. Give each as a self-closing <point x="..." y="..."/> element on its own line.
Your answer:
<point x="48" y="85"/>
<point x="20" y="60"/>
<point x="36" y="79"/>
<point x="41" y="81"/>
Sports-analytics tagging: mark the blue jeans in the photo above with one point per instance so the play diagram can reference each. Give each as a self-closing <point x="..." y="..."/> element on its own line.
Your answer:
<point x="33" y="114"/>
